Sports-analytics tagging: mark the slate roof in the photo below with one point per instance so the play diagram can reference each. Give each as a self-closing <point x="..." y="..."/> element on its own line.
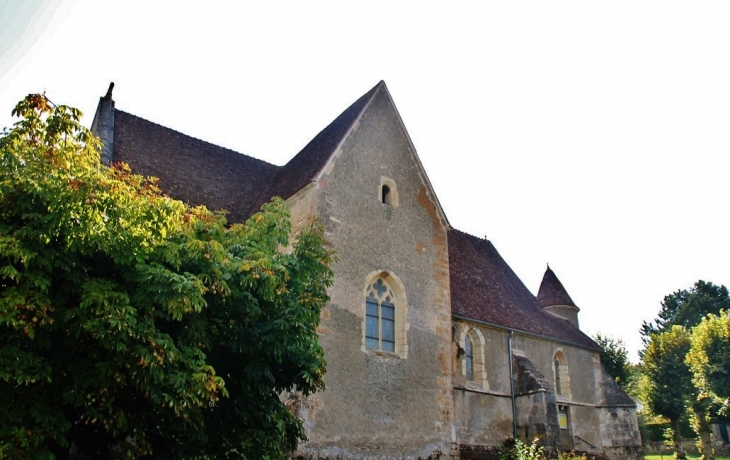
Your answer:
<point x="192" y="170"/>
<point x="484" y="288"/>
<point x="552" y="291"/>
<point x="198" y="172"/>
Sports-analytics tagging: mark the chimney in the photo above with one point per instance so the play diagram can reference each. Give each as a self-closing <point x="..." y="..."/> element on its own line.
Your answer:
<point x="103" y="126"/>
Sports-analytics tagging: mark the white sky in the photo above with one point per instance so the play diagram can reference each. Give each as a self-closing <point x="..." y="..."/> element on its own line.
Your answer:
<point x="590" y="135"/>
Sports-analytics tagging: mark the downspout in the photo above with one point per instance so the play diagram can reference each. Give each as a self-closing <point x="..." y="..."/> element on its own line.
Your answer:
<point x="512" y="385"/>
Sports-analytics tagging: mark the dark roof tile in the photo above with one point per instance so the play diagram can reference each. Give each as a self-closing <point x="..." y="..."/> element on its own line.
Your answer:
<point x="198" y="172"/>
<point x="484" y="288"/>
<point x="307" y="164"/>
<point x="552" y="291"/>
<point x="192" y="170"/>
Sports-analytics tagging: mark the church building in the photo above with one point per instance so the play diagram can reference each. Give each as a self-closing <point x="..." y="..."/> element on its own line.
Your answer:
<point x="434" y="347"/>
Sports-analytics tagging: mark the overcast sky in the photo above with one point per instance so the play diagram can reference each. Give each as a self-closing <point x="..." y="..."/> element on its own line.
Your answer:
<point x="593" y="136"/>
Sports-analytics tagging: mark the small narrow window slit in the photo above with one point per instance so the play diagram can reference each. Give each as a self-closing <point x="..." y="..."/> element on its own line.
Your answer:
<point x="388" y="192"/>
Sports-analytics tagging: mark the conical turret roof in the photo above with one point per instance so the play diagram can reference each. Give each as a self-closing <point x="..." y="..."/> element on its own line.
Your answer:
<point x="552" y="291"/>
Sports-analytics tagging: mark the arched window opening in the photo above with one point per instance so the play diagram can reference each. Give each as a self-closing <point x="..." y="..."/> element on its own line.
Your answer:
<point x="385" y="326"/>
<point x="380" y="306"/>
<point x="386" y="195"/>
<point x="469" y="357"/>
<point x="388" y="192"/>
<point x="473" y="366"/>
<point x="562" y="375"/>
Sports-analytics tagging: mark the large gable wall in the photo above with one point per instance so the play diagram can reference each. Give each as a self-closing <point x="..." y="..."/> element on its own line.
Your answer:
<point x="400" y="405"/>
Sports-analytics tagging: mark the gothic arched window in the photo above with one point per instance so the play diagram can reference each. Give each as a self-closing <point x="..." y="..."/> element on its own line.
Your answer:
<point x="380" y="306"/>
<point x="385" y="325"/>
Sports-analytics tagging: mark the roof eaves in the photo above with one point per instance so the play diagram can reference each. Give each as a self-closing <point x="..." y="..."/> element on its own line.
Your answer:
<point x="524" y="332"/>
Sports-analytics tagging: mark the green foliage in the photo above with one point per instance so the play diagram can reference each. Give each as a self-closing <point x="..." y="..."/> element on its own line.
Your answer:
<point x="670" y="380"/>
<point x="709" y="359"/>
<point x="686" y="308"/>
<point x="689" y="457"/>
<point x="572" y="456"/>
<point x="132" y="325"/>
<point x="615" y="359"/>
<point x="656" y="431"/>
<point x="514" y="449"/>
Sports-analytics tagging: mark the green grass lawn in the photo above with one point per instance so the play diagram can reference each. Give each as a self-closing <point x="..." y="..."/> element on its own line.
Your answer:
<point x="689" y="456"/>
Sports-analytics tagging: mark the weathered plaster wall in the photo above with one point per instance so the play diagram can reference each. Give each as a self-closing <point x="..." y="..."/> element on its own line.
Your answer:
<point x="620" y="430"/>
<point x="483" y="418"/>
<point x="377" y="403"/>
<point x="303" y="208"/>
<point x="537" y="418"/>
<point x="496" y="353"/>
<point x="580" y="364"/>
<point x="484" y="411"/>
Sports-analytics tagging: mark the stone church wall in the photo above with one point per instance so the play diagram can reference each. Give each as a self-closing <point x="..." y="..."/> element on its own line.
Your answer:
<point x="482" y="418"/>
<point x="390" y="405"/>
<point x="620" y="430"/>
<point x="483" y="407"/>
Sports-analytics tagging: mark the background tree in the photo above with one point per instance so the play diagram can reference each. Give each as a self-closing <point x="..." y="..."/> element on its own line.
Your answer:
<point x="669" y="381"/>
<point x="615" y="359"/>
<point x="132" y="325"/>
<point x="709" y="358"/>
<point x="686" y="308"/>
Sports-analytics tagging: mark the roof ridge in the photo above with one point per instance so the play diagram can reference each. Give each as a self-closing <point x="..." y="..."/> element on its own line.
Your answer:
<point x="196" y="138"/>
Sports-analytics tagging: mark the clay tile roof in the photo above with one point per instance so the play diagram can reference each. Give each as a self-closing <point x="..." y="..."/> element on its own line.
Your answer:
<point x="307" y="164"/>
<point x="552" y="291"/>
<point x="192" y="170"/>
<point x="484" y="288"/>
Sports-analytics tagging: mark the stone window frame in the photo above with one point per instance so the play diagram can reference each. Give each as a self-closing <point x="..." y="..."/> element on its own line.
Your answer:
<point x="401" y="312"/>
<point x="561" y="374"/>
<point x="391" y="199"/>
<point x="480" y="367"/>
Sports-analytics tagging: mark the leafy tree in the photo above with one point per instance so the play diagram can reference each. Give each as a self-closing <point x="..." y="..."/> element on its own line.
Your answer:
<point x="132" y="325"/>
<point x="615" y="359"/>
<point x="686" y="308"/>
<point x="709" y="358"/>
<point x="669" y="384"/>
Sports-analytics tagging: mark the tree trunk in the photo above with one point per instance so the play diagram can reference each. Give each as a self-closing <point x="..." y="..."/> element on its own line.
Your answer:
<point x="678" y="449"/>
<point x="702" y="426"/>
<point x="706" y="444"/>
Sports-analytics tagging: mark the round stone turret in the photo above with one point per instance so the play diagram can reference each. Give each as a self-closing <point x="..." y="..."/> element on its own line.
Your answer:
<point x="554" y="299"/>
